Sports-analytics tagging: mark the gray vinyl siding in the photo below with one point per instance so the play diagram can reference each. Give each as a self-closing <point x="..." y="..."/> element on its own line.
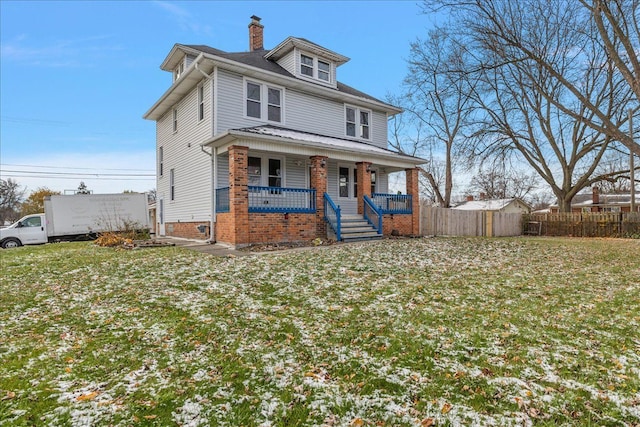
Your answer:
<point x="288" y="62"/>
<point x="301" y="112"/>
<point x="191" y="166"/>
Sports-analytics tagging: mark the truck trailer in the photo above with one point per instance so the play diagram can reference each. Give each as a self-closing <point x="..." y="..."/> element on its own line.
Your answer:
<point x="73" y="217"/>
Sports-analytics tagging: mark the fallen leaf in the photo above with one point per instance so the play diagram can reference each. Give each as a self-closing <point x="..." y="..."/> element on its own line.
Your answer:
<point x="88" y="396"/>
<point x="446" y="408"/>
<point x="358" y="422"/>
<point x="427" y="422"/>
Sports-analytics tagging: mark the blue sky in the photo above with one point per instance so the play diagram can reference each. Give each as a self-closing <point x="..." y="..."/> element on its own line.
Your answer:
<point x="76" y="77"/>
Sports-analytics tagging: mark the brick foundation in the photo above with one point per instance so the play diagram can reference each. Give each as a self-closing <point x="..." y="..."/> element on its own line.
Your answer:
<point x="188" y="230"/>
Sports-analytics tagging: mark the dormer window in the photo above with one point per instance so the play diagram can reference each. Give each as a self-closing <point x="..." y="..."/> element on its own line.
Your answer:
<point x="177" y="72"/>
<point x="324" y="71"/>
<point x="315" y="68"/>
<point x="306" y="65"/>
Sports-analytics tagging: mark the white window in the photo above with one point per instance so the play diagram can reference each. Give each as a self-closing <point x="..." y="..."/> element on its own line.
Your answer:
<point x="265" y="171"/>
<point x="306" y="65"/>
<point x="263" y="102"/>
<point x="324" y="70"/>
<point x="177" y="72"/>
<point x="357" y="122"/>
<point x="315" y="68"/>
<point x="201" y="102"/>
<point x="172" y="186"/>
<point x="160" y="160"/>
<point x="175" y="120"/>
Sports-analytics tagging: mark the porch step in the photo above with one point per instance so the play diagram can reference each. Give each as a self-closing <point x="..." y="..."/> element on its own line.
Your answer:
<point x="356" y="228"/>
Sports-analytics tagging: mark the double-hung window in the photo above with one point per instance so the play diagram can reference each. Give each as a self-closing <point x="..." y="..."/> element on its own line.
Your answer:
<point x="160" y="160"/>
<point x="201" y="102"/>
<point x="175" y="120"/>
<point x="357" y="122"/>
<point x="263" y="102"/>
<point x="265" y="171"/>
<point x="315" y="68"/>
<point x="306" y="65"/>
<point x="172" y="185"/>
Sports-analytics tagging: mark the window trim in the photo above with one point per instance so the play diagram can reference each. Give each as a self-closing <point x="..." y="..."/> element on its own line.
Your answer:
<point x="161" y="161"/>
<point x="178" y="71"/>
<point x="357" y="123"/>
<point x="315" y="68"/>
<point x="175" y="120"/>
<point x="172" y="184"/>
<point x="200" y="91"/>
<point x="264" y="169"/>
<point x="264" y="100"/>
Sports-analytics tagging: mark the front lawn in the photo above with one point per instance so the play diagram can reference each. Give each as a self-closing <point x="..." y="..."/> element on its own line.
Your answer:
<point x="442" y="331"/>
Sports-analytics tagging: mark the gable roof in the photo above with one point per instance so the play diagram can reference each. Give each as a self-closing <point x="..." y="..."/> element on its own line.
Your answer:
<point x="256" y="61"/>
<point x="291" y="42"/>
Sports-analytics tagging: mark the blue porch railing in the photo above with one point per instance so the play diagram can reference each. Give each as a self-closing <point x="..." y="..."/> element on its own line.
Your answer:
<point x="332" y="216"/>
<point x="280" y="199"/>
<point x="393" y="203"/>
<point x="222" y="200"/>
<point x="372" y="214"/>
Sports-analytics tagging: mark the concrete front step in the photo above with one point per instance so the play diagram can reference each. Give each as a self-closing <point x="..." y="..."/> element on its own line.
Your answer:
<point x="355" y="228"/>
<point x="360" y="236"/>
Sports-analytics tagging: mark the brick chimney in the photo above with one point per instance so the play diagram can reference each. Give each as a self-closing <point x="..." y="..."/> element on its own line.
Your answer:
<point x="255" y="34"/>
<point x="469" y="198"/>
<point x="595" y="199"/>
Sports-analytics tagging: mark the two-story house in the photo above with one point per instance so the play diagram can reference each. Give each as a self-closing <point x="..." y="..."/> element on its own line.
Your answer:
<point x="268" y="146"/>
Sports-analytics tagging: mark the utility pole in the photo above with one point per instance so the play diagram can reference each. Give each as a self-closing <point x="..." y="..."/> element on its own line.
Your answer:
<point x="632" y="174"/>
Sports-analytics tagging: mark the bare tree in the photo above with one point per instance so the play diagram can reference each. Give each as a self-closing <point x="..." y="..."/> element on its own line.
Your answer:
<point x="496" y="181"/>
<point x="437" y="102"/>
<point x="549" y="94"/>
<point x="519" y="31"/>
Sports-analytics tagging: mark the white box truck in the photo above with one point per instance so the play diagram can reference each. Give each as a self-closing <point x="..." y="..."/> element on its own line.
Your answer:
<point x="72" y="217"/>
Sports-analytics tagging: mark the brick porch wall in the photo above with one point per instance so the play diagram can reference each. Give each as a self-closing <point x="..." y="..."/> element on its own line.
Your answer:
<point x="403" y="223"/>
<point x="224" y="228"/>
<point x="273" y="227"/>
<point x="187" y="230"/>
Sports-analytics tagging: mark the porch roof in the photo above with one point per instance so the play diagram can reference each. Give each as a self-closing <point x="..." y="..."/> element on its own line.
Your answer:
<point x="282" y="140"/>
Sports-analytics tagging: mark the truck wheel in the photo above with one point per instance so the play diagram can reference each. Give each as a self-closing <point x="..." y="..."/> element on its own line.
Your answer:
<point x="11" y="243"/>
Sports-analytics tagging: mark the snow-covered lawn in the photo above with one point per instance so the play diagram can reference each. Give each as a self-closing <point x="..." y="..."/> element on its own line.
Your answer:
<point x="419" y="332"/>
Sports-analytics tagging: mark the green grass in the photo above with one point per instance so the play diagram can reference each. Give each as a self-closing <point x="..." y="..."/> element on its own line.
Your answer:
<point x="398" y="332"/>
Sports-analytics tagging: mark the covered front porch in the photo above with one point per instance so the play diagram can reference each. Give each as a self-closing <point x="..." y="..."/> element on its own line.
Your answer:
<point x="268" y="188"/>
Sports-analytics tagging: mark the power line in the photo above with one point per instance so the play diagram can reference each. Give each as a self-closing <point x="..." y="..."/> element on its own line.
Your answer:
<point x="38" y="173"/>
<point x="101" y="178"/>
<point x="70" y="167"/>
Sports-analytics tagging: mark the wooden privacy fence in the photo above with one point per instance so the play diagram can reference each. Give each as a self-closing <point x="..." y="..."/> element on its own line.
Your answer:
<point x="584" y="224"/>
<point x="451" y="222"/>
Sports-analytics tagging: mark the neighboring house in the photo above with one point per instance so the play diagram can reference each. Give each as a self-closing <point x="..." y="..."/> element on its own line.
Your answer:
<point x="596" y="202"/>
<point x="512" y="205"/>
<point x="268" y="146"/>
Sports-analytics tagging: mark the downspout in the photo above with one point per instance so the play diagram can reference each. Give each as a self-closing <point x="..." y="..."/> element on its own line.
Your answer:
<point x="214" y="163"/>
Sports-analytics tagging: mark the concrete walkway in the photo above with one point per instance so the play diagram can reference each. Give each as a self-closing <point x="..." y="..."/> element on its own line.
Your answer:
<point x="203" y="246"/>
